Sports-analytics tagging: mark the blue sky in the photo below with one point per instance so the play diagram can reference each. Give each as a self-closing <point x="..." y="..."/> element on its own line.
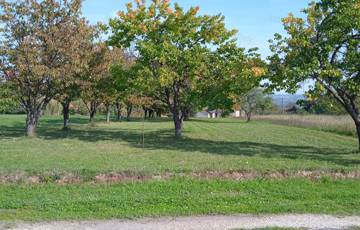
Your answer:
<point x="256" y="20"/>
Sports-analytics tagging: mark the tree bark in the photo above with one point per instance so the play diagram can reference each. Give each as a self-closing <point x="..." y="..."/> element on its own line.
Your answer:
<point x="178" y="122"/>
<point x="173" y="104"/>
<point x="66" y="114"/>
<point x="93" y="108"/>
<point x="118" y="112"/>
<point x="248" y="116"/>
<point x="357" y="123"/>
<point x="108" y="113"/>
<point x="145" y="113"/>
<point x="129" y="111"/>
<point x="31" y="122"/>
<point x="151" y="113"/>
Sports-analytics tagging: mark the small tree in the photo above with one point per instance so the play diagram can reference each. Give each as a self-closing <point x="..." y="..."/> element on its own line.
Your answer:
<point x="98" y="85"/>
<point x="8" y="101"/>
<point x="39" y="47"/>
<point x="253" y="101"/>
<point x="323" y="48"/>
<point x="69" y="87"/>
<point x="229" y="72"/>
<point x="124" y="86"/>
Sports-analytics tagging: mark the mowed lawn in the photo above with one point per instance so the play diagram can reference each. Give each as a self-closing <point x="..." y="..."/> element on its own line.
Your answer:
<point x="222" y="145"/>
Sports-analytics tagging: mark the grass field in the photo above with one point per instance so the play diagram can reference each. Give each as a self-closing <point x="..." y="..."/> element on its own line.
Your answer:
<point x="178" y="197"/>
<point x="208" y="148"/>
<point x="342" y="124"/>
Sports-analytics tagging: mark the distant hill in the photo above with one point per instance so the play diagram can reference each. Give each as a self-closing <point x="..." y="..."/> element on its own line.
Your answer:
<point x="283" y="100"/>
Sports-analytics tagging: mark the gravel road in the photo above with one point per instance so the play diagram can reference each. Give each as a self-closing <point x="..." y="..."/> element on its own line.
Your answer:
<point x="204" y="223"/>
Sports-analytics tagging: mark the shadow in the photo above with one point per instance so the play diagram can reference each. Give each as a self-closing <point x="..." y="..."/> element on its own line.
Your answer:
<point x="163" y="139"/>
<point x="218" y="121"/>
<point x="58" y="122"/>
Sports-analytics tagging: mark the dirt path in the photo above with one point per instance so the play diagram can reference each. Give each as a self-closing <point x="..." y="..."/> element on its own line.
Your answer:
<point x="205" y="223"/>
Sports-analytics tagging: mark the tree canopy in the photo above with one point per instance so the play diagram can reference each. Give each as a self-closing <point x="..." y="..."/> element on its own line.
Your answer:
<point x="173" y="47"/>
<point x="41" y="45"/>
<point x="324" y="48"/>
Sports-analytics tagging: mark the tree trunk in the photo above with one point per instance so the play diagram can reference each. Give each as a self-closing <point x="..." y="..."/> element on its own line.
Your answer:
<point x="357" y="123"/>
<point x="108" y="113"/>
<point x="129" y="111"/>
<point x="145" y="113"/>
<point x="158" y="113"/>
<point x="178" y="122"/>
<point x="248" y="116"/>
<point x="173" y="104"/>
<point x="93" y="108"/>
<point x="31" y="122"/>
<point x="186" y="115"/>
<point x="66" y="114"/>
<point x="118" y="111"/>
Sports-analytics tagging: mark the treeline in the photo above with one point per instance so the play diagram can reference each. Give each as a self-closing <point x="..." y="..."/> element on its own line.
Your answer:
<point x="160" y="58"/>
<point x="171" y="58"/>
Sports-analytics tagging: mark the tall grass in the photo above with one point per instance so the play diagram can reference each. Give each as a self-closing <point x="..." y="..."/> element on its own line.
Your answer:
<point x="339" y="124"/>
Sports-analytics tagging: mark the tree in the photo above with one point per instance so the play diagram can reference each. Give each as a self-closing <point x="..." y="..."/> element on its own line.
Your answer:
<point x="324" y="48"/>
<point x="69" y="87"/>
<point x="322" y="104"/>
<point x="39" y="47"/>
<point x="123" y="76"/>
<point x="98" y="83"/>
<point x="8" y="102"/>
<point x="171" y="43"/>
<point x="253" y="101"/>
<point x="230" y="73"/>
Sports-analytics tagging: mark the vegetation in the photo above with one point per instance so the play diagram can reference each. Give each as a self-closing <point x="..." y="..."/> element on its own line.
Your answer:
<point x="8" y="102"/>
<point x="216" y="145"/>
<point x="324" y="104"/>
<point x="33" y="58"/>
<point x="254" y="101"/>
<point x="163" y="60"/>
<point x="175" y="51"/>
<point x="323" y="48"/>
<point x="177" y="197"/>
<point x="98" y="83"/>
<point x="341" y="124"/>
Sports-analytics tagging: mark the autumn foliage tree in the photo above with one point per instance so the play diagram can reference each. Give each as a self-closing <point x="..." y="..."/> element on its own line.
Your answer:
<point x="98" y="83"/>
<point x="230" y="73"/>
<point x="171" y="43"/>
<point x="69" y="88"/>
<point x="40" y="45"/>
<point x="323" y="48"/>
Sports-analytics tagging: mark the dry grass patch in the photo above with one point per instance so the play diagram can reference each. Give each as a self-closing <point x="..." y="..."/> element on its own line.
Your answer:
<point x="340" y="124"/>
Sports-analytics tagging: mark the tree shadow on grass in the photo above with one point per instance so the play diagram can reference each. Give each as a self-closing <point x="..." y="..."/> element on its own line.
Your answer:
<point x="163" y="139"/>
<point x="219" y="121"/>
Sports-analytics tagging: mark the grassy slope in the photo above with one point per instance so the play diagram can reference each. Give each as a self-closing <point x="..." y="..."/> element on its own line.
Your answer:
<point x="207" y="145"/>
<point x="177" y="197"/>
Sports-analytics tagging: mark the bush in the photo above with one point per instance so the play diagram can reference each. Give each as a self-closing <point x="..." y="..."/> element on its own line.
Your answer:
<point x="8" y="102"/>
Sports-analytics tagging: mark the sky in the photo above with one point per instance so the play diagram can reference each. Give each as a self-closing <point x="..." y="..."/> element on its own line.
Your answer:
<point x="256" y="20"/>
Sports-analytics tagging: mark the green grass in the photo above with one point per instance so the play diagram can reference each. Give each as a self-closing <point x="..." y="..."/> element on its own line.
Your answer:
<point x="207" y="145"/>
<point x="177" y="197"/>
